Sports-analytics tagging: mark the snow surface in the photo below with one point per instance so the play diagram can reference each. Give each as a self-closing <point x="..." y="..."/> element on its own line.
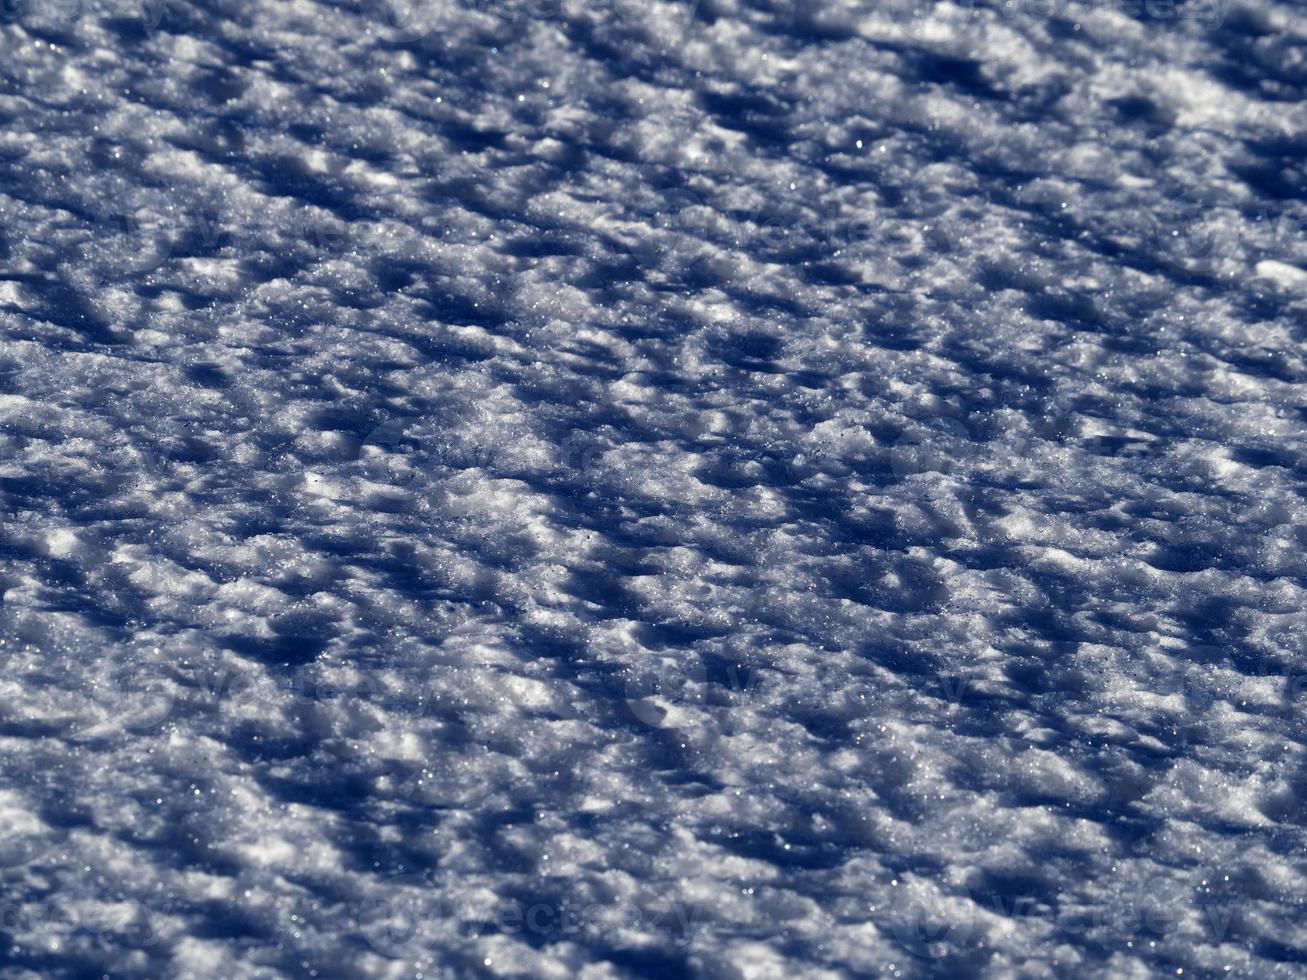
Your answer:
<point x="598" y="488"/>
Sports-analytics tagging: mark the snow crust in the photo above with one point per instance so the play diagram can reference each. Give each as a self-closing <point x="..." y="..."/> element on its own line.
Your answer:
<point x="587" y="488"/>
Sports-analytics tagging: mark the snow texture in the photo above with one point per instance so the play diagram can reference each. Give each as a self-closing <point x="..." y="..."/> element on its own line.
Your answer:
<point x="648" y="488"/>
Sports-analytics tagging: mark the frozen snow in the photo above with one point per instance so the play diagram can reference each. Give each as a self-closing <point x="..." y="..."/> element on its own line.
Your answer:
<point x="597" y="488"/>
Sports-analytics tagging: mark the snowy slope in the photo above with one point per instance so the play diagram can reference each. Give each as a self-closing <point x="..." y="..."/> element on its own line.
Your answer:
<point x="604" y="488"/>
